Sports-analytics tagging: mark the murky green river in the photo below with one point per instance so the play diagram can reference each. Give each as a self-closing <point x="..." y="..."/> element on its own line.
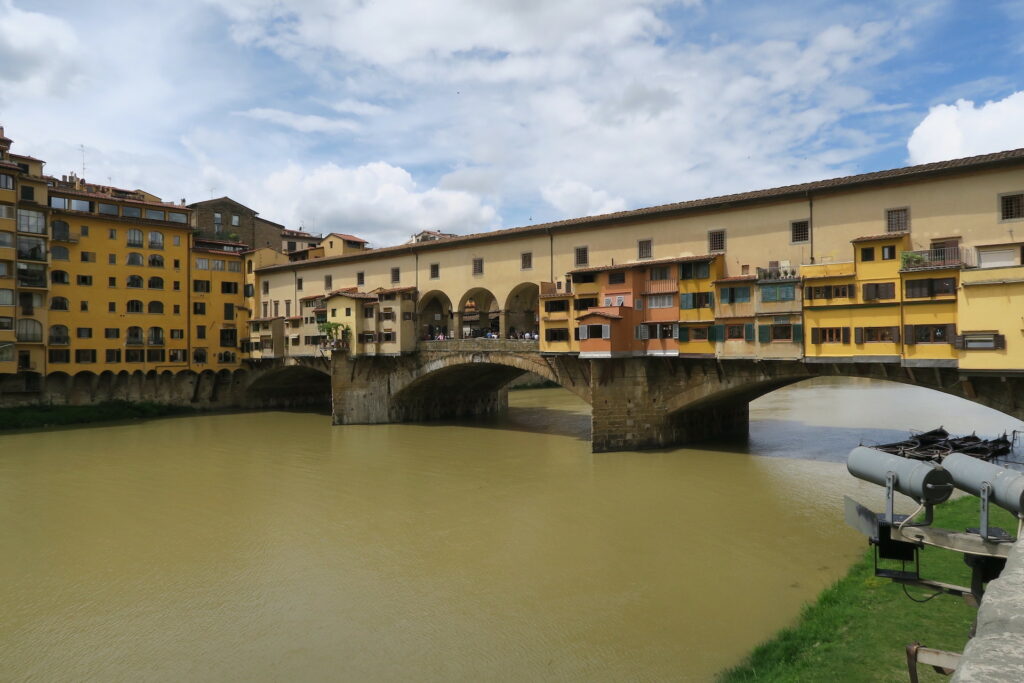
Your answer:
<point x="272" y="546"/>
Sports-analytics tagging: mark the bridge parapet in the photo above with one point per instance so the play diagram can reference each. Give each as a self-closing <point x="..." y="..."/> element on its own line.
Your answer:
<point x="480" y="344"/>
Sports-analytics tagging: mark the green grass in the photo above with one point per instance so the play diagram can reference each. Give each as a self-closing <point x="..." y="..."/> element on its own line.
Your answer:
<point x="859" y="627"/>
<point x="27" y="417"/>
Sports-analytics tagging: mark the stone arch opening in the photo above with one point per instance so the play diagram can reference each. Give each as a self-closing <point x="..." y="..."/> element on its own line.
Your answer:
<point x="290" y="386"/>
<point x="479" y="314"/>
<point x="435" y="315"/>
<point x="521" y="310"/>
<point x="82" y="387"/>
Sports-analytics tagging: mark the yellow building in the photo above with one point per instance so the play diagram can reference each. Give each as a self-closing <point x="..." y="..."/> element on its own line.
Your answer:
<point x="219" y="314"/>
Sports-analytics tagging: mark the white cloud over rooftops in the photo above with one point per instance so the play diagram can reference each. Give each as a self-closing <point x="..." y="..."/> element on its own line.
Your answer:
<point x="963" y="129"/>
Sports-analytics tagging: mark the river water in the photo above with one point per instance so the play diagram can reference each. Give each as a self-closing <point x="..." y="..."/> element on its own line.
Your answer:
<point x="273" y="546"/>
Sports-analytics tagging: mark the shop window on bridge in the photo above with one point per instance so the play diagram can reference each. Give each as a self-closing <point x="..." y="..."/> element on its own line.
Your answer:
<point x="583" y="304"/>
<point x="659" y="273"/>
<point x="869" y="335"/>
<point x="830" y="335"/>
<point x="735" y="295"/>
<point x="617" y="277"/>
<point x="772" y="293"/>
<point x="113" y="355"/>
<point x="367" y="338"/>
<point x="556" y="306"/>
<point x="977" y="340"/>
<point x="694" y="271"/>
<point x="660" y="301"/>
<point x="556" y="334"/>
<point x="697" y="300"/>
<point x="929" y="334"/>
<point x="739" y="332"/>
<point x="876" y="291"/>
<point x="917" y="289"/>
<point x="888" y="252"/>
<point x="776" y="332"/>
<point x="595" y="331"/>
<point x="584" y="278"/>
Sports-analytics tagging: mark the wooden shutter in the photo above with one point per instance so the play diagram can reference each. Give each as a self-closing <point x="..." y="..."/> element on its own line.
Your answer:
<point x="748" y="332"/>
<point x="950" y="333"/>
<point x="606" y="331"/>
<point x="958" y="341"/>
<point x="828" y="291"/>
<point x="909" y="336"/>
<point x="718" y="331"/>
<point x="815" y="335"/>
<point x="686" y="301"/>
<point x="682" y="333"/>
<point x="726" y="295"/>
<point x="858" y="335"/>
<point x="764" y="333"/>
<point x="895" y="334"/>
<point x="711" y="300"/>
<point x="870" y="292"/>
<point x="846" y="335"/>
<point x="798" y="334"/>
<point x="584" y="332"/>
<point x="999" y="341"/>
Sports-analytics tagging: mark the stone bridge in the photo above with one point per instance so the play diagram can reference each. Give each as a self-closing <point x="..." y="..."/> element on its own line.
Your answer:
<point x="636" y="403"/>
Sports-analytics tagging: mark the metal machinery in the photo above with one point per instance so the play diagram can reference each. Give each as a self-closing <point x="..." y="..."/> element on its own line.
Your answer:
<point x="897" y="538"/>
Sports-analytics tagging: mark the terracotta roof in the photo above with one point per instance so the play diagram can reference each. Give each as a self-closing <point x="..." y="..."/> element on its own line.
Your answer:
<point x="883" y="236"/>
<point x="264" y="320"/>
<point x="639" y="264"/>
<point x="353" y="295"/>
<point x="737" y="278"/>
<point x="394" y="290"/>
<point x="294" y="317"/>
<point x="219" y="252"/>
<point x="234" y="243"/>
<point x="599" y="314"/>
<point x="317" y="310"/>
<point x="298" y="233"/>
<point x="799" y="191"/>
<point x="557" y="295"/>
<point x="350" y="238"/>
<point x="313" y="296"/>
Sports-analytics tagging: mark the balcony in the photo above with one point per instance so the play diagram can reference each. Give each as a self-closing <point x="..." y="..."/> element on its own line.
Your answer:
<point x="37" y="280"/>
<point x="943" y="257"/>
<point x="134" y="341"/>
<point x="155" y="342"/>
<point x="778" y="273"/>
<point x="64" y="236"/>
<point x="32" y="254"/>
<point x="29" y="337"/>
<point x="59" y="341"/>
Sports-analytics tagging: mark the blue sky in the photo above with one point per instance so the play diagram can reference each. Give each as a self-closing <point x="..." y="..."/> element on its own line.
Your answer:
<point x="385" y="117"/>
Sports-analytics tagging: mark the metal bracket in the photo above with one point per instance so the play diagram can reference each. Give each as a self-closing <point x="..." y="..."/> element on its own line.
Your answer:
<point x="890" y="485"/>
<point x="986" y="490"/>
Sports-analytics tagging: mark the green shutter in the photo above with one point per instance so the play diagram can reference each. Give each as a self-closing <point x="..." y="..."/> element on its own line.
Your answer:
<point x="716" y="333"/>
<point x="787" y="292"/>
<point x="769" y="293"/>
<point x="748" y="332"/>
<point x="711" y="300"/>
<point x="700" y="270"/>
<point x="683" y="334"/>
<point x="741" y="295"/>
<point x="764" y="333"/>
<point x="686" y="301"/>
<point x="798" y="333"/>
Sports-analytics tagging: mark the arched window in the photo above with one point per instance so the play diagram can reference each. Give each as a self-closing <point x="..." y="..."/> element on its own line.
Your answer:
<point x="198" y="356"/>
<point x="134" y="258"/>
<point x="155" y="307"/>
<point x="135" y="281"/>
<point x="28" y="330"/>
<point x="156" y="261"/>
<point x="134" y="337"/>
<point x="156" y="240"/>
<point x="59" y="253"/>
<point x="134" y="237"/>
<point x="59" y="334"/>
<point x="248" y="266"/>
<point x="60" y="230"/>
<point x="59" y="277"/>
<point x="156" y="336"/>
<point x="156" y="283"/>
<point x="134" y="306"/>
<point x="59" y="303"/>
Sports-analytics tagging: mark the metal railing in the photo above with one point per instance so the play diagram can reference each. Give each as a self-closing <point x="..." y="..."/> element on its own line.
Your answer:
<point x="26" y="280"/>
<point x="949" y="257"/>
<point x="59" y="341"/>
<point x="777" y="273"/>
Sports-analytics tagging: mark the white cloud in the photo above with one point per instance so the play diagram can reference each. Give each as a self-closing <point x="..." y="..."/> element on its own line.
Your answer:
<point x="963" y="129"/>
<point x="377" y="201"/>
<point x="303" y="123"/>
<point x="37" y="53"/>
<point x="352" y="106"/>
<point x="574" y="198"/>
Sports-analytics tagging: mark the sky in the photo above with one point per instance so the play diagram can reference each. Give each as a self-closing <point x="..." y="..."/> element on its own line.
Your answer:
<point x="382" y="118"/>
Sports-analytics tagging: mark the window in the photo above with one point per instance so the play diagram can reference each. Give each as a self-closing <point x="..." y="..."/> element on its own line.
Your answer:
<point x="870" y="335"/>
<point x="31" y="221"/>
<point x="735" y="295"/>
<point x="644" y="249"/>
<point x="85" y="355"/>
<point x="134" y="355"/>
<point x="970" y="340"/>
<point x="109" y="210"/>
<point x="154" y="214"/>
<point x="867" y="253"/>
<point x="111" y="333"/>
<point x="84" y="280"/>
<point x="113" y="355"/>
<point x="360" y="279"/>
<point x="199" y="307"/>
<point x="156" y="240"/>
<point x="155" y="355"/>
<point x="199" y="356"/>
<point x="6" y="182"/>
<point x="782" y="332"/>
<point x="155" y="307"/>
<point x="396" y="275"/>
<point x="298" y="284"/>
<point x="28" y="330"/>
<point x="266" y="287"/>
<point x="716" y="240"/>
<point x="556" y="306"/>
<point x="880" y="290"/>
<point x="155" y="337"/>
<point x="59" y="334"/>
<point x="697" y="300"/>
<point x="830" y="335"/>
<point x="83" y="305"/>
<point x="217" y="222"/>
<point x="556" y="334"/>
<point x="659" y="301"/>
<point x="1011" y="207"/>
<point x="617" y="277"/>
<point x="584" y="304"/>
<point x="28" y="193"/>
<point x="177" y="356"/>
<point x="83" y="332"/>
<point x="202" y="264"/>
<point x="526" y="260"/>
<point x="694" y="271"/>
<point x="659" y="273"/>
<point x="6" y="211"/>
<point x="156" y="261"/>
<point x="134" y="306"/>
<point x="897" y="220"/>
<point x="6" y="297"/>
<point x="81" y="205"/>
<point x="58" y="253"/>
<point x="234" y="219"/>
<point x="888" y="252"/>
<point x="201" y="286"/>
<point x="581" y="256"/>
<point x="771" y="293"/>
<point x="134" y="281"/>
<point x="134" y="236"/>
<point x="229" y="288"/>
<point x="200" y="331"/>
<point x="176" y="217"/>
<point x="734" y="332"/>
<point x="59" y="355"/>
<point x="218" y="264"/>
<point x="435" y="271"/>
<point x="58" y="303"/>
<point x="800" y="231"/>
<point x="478" y="266"/>
<point x="134" y="259"/>
<point x="328" y="283"/>
<point x="929" y="334"/>
<point x="229" y="311"/>
<point x="177" y="334"/>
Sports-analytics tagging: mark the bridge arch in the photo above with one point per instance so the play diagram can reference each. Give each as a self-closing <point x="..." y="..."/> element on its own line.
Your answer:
<point x="289" y="385"/>
<point x="435" y="315"/>
<point x="478" y="312"/>
<point x="521" y="308"/>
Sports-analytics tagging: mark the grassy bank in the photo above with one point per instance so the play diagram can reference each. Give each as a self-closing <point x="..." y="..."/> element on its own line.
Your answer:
<point x="27" y="417"/>
<point x="858" y="628"/>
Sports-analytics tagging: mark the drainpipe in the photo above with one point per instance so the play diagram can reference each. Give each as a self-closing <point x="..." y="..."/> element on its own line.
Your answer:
<point x="810" y="222"/>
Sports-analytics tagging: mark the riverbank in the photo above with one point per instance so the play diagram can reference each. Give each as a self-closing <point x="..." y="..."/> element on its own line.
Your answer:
<point x="858" y="628"/>
<point x="28" y="417"/>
